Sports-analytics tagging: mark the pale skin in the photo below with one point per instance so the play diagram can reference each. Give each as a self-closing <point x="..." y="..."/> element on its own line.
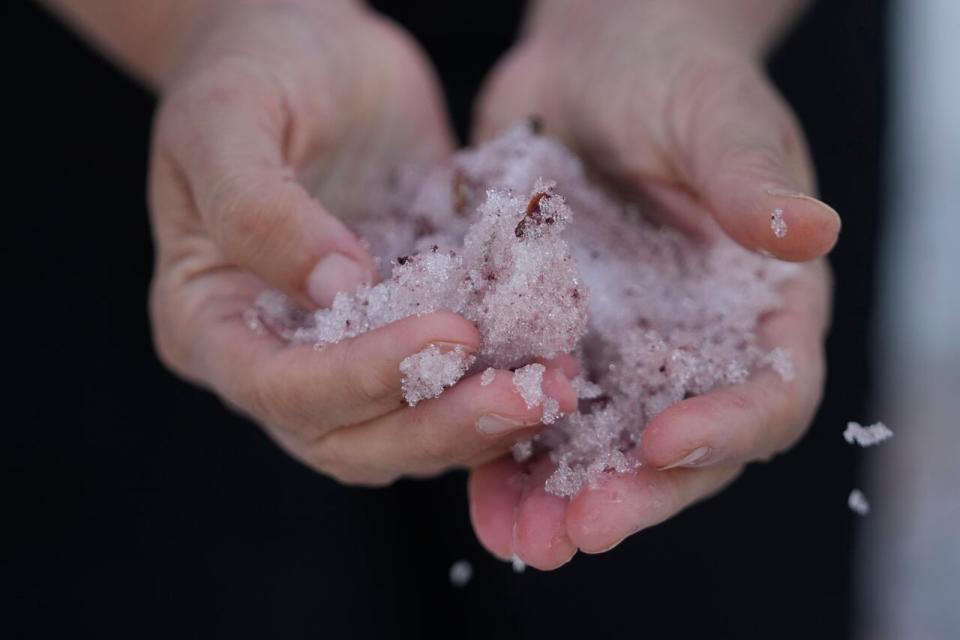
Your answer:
<point x="276" y="114"/>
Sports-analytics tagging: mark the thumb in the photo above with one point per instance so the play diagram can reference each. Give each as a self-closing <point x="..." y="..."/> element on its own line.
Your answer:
<point x="254" y="208"/>
<point x="742" y="151"/>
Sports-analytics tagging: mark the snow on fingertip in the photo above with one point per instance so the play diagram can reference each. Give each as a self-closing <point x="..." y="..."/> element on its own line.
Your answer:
<point x="528" y="381"/>
<point x="777" y="224"/>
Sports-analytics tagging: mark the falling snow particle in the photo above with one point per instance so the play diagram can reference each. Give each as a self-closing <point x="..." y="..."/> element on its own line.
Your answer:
<point x="858" y="503"/>
<point x="866" y="436"/>
<point x="461" y="572"/>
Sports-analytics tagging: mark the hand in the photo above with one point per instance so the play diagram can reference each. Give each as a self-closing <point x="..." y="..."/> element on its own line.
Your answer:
<point x="273" y="104"/>
<point x="670" y="109"/>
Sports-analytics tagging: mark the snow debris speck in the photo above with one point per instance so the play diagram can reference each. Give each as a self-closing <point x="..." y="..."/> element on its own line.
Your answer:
<point x="514" y="236"/>
<point x="487" y="376"/>
<point x="781" y="362"/>
<point x="866" y="436"/>
<point x="527" y="381"/>
<point x="522" y="451"/>
<point x="551" y="411"/>
<point x="858" y="502"/>
<point x="778" y="224"/>
<point x="428" y="373"/>
<point x="461" y="572"/>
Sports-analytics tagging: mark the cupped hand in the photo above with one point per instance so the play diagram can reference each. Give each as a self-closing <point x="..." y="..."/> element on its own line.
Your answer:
<point x="280" y="119"/>
<point x="670" y="109"/>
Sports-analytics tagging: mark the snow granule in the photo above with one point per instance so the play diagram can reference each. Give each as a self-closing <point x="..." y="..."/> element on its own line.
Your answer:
<point x="487" y="376"/>
<point x="428" y="373"/>
<point x="528" y="382"/>
<point x="522" y="451"/>
<point x="778" y="224"/>
<point x="781" y="362"/>
<point x="514" y="236"/>
<point x="858" y="502"/>
<point x="461" y="572"/>
<point x="551" y="411"/>
<point x="866" y="436"/>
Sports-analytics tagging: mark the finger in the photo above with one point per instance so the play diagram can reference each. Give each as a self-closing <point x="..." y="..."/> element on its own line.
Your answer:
<point x="227" y="134"/>
<point x="741" y="150"/>
<point x="539" y="531"/>
<point x="599" y="518"/>
<point x="494" y="491"/>
<point x="509" y="92"/>
<point x="563" y="361"/>
<point x="469" y="422"/>
<point x="293" y="387"/>
<point x="763" y="416"/>
<point x="355" y="380"/>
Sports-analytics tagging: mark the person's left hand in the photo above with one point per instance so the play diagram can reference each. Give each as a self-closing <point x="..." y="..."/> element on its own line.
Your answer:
<point x="283" y="115"/>
<point x="672" y="111"/>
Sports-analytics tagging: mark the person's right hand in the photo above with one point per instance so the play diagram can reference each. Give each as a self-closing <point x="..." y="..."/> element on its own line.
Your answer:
<point x="272" y="105"/>
<point x="668" y="101"/>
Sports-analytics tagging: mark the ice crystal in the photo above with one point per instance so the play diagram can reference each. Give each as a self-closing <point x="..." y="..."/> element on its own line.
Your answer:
<point x="427" y="373"/>
<point x="461" y="572"/>
<point x="858" y="502"/>
<point x="528" y="382"/>
<point x="866" y="436"/>
<point x="778" y="224"/>
<point x="487" y="376"/>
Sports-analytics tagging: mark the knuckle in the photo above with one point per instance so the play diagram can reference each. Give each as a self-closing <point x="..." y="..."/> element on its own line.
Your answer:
<point x="737" y="401"/>
<point x="274" y="398"/>
<point x="168" y="322"/>
<point x="436" y="450"/>
<point x="330" y="457"/>
<point x="243" y="225"/>
<point x="366" y="384"/>
<point x="751" y="160"/>
<point x="791" y="139"/>
<point x="253" y="397"/>
<point x="702" y="89"/>
<point x="351" y="477"/>
<point x="233" y="207"/>
<point x="222" y="80"/>
<point x="168" y="353"/>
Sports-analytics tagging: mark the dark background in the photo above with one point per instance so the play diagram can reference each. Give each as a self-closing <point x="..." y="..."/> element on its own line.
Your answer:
<point x="136" y="506"/>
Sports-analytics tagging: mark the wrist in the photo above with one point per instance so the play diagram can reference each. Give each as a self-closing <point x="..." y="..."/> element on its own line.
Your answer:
<point x="199" y="30"/>
<point x="747" y="27"/>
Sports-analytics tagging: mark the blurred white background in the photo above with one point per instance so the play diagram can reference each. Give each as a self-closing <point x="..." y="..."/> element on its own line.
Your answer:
<point x="909" y="547"/>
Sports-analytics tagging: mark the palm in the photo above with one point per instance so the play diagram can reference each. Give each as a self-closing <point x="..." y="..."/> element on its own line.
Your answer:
<point x="631" y="125"/>
<point x="343" y="110"/>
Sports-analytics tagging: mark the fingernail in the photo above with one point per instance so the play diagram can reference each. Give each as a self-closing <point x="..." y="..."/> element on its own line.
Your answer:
<point x="494" y="424"/>
<point x="335" y="273"/>
<point x="691" y="459"/>
<point x="786" y="193"/>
